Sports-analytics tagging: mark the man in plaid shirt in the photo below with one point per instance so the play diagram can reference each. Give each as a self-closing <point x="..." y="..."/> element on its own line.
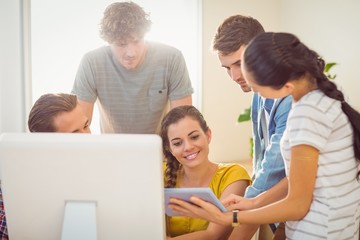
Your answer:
<point x="3" y="228"/>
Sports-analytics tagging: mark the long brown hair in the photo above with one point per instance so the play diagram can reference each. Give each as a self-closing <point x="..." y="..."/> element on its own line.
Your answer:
<point x="173" y="116"/>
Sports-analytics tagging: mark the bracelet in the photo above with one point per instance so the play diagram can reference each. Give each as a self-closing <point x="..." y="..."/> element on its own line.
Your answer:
<point x="235" y="221"/>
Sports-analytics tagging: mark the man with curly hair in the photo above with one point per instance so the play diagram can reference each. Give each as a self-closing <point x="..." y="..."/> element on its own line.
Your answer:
<point x="132" y="79"/>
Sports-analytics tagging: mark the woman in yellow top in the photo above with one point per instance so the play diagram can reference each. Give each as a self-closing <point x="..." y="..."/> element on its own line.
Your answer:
<point x="186" y="138"/>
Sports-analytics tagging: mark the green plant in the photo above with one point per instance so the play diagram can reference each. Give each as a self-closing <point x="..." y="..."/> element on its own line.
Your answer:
<point x="327" y="68"/>
<point x="244" y="117"/>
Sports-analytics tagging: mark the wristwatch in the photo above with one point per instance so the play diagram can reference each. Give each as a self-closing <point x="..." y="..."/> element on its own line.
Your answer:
<point x="235" y="221"/>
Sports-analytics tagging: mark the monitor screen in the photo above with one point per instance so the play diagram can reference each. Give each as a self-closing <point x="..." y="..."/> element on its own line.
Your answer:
<point x="121" y="173"/>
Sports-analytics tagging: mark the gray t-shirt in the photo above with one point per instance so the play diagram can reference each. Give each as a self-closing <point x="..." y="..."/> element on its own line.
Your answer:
<point x="132" y="101"/>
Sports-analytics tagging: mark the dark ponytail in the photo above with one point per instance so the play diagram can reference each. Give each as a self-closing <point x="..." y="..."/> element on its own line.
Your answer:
<point x="330" y="89"/>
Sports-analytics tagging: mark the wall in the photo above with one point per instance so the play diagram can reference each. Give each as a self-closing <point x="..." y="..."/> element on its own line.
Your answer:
<point x="332" y="29"/>
<point x="223" y="99"/>
<point x="329" y="27"/>
<point x="11" y="73"/>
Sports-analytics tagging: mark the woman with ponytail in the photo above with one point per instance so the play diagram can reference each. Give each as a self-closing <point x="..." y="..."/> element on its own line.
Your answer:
<point x="320" y="146"/>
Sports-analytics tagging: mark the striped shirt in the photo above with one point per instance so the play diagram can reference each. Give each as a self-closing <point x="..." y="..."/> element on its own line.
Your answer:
<point x="319" y="121"/>
<point x="132" y="101"/>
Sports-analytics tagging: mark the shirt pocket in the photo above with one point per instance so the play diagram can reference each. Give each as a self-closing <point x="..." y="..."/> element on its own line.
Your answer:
<point x="157" y="99"/>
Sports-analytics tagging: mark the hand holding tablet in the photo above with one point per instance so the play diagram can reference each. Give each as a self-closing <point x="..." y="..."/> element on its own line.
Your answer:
<point x="185" y="193"/>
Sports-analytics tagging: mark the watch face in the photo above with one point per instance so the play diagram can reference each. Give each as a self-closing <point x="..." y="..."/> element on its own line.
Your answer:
<point x="235" y="221"/>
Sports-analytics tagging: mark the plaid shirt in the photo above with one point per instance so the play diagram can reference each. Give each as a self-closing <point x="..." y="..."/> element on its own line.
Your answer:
<point x="3" y="228"/>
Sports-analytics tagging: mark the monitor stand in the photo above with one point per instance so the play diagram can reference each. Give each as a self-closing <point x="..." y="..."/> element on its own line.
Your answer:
<point x="79" y="221"/>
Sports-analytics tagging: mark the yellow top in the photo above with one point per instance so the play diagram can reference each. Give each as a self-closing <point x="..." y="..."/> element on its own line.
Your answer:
<point x="223" y="177"/>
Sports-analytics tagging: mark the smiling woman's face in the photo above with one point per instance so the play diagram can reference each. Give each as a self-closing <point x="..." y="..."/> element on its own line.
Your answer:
<point x="188" y="142"/>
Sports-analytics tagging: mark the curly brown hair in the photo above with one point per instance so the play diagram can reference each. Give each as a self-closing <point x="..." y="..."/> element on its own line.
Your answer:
<point x="123" y="21"/>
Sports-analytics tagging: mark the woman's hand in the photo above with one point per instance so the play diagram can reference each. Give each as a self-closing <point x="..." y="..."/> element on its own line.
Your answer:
<point x="201" y="209"/>
<point x="235" y="202"/>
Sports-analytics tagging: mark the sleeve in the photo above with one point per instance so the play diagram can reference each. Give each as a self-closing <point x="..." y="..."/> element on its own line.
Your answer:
<point x="271" y="169"/>
<point x="227" y="174"/>
<point x="179" y="81"/>
<point x="84" y="86"/>
<point x="309" y="125"/>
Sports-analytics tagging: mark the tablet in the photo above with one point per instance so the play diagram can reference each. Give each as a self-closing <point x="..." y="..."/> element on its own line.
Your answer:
<point x="185" y="194"/>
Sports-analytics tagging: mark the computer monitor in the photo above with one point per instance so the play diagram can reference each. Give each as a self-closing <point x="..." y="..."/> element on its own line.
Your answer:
<point x="121" y="173"/>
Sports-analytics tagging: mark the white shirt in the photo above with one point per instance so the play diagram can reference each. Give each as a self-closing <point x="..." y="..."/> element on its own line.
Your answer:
<point x="319" y="121"/>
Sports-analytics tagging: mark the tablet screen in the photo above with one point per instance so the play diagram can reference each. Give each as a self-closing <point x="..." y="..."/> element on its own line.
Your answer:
<point x="185" y="194"/>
